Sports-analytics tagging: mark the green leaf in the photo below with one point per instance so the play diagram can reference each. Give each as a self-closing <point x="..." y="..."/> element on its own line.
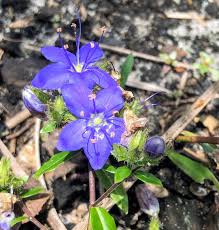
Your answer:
<point x="59" y="104"/>
<point x="18" y="220"/>
<point x="147" y="178"/>
<point x="32" y="192"/>
<point x="208" y="148"/>
<point x="49" y="127"/>
<point x="119" y="152"/>
<point x="126" y="69"/>
<point x="197" y="171"/>
<point x="42" y="96"/>
<point x="110" y="168"/>
<point x="135" y="141"/>
<point x="119" y="195"/>
<point x="154" y="224"/>
<point x="100" y="219"/>
<point x="4" y="172"/>
<point x="122" y="173"/>
<point x="53" y="163"/>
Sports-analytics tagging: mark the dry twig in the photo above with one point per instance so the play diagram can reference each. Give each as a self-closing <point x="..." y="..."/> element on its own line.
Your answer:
<point x="17" y="119"/>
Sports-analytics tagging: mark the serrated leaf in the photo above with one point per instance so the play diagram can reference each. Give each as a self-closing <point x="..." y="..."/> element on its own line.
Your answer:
<point x="18" y="220"/>
<point x="197" y="171"/>
<point x="147" y="178"/>
<point x="126" y="69"/>
<point x="48" y="127"/>
<point x="119" y="195"/>
<point x="53" y="163"/>
<point x="100" y="219"/>
<point x="122" y="173"/>
<point x="32" y="192"/>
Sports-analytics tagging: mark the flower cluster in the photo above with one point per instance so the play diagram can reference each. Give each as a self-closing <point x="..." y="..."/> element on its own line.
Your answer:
<point x="89" y="93"/>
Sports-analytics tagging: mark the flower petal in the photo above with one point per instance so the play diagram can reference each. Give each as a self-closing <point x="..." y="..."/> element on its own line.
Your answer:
<point x="116" y="130"/>
<point x="99" y="152"/>
<point x="76" y="97"/>
<point x="109" y="100"/>
<point x="56" y="54"/>
<point x="53" y="76"/>
<point x="90" y="53"/>
<point x="99" y="77"/>
<point x="72" y="137"/>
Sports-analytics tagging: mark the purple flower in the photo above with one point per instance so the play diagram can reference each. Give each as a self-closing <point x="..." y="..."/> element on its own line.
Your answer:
<point x="97" y="128"/>
<point x="147" y="201"/>
<point x="32" y="103"/>
<point x="67" y="66"/>
<point x="5" y="219"/>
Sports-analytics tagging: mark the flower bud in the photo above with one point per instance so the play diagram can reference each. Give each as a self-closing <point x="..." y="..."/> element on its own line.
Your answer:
<point x="155" y="146"/>
<point x="147" y="201"/>
<point x="5" y="219"/>
<point x="32" y="103"/>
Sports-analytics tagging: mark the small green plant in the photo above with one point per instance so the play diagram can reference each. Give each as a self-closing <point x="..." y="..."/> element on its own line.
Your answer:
<point x="205" y="65"/>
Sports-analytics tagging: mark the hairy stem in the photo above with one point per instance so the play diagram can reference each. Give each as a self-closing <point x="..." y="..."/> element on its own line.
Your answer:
<point x="92" y="191"/>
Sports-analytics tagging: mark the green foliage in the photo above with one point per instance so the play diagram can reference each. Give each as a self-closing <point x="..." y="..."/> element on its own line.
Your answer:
<point x="119" y="152"/>
<point x="197" y="171"/>
<point x="134" y="154"/>
<point x="49" y="127"/>
<point x="205" y="65"/>
<point x="154" y="224"/>
<point x="119" y="195"/>
<point x="53" y="163"/>
<point x="147" y="178"/>
<point x="42" y="96"/>
<point x="18" y="220"/>
<point x="136" y="106"/>
<point x="169" y="59"/>
<point x="32" y="192"/>
<point x="58" y="115"/>
<point x="7" y="179"/>
<point x="122" y="173"/>
<point x="126" y="69"/>
<point x="110" y="168"/>
<point x="100" y="219"/>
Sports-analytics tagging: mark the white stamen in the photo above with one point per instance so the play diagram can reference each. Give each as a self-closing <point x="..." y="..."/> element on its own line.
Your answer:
<point x="92" y="96"/>
<point x="112" y="134"/>
<point x="82" y="113"/>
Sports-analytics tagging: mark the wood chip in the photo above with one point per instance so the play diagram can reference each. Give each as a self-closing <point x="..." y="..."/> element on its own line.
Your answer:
<point x="192" y="15"/>
<point x="21" y="23"/>
<point x="211" y="123"/>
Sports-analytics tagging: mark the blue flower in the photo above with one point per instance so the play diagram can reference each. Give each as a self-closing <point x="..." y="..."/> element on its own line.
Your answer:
<point x="67" y="67"/>
<point x="97" y="128"/>
<point x="32" y="103"/>
<point x="5" y="219"/>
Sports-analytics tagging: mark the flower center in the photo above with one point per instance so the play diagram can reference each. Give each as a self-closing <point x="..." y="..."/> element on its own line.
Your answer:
<point x="78" y="68"/>
<point x="96" y="120"/>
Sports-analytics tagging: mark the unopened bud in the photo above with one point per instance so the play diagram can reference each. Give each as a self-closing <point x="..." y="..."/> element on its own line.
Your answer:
<point x="147" y="201"/>
<point x="155" y="146"/>
<point x="32" y="103"/>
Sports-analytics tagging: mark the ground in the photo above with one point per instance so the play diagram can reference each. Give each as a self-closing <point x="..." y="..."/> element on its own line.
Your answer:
<point x="141" y="26"/>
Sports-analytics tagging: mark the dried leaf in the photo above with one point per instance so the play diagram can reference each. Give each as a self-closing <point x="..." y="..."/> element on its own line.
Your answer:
<point x="36" y="205"/>
<point x="211" y="123"/>
<point x="6" y="201"/>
